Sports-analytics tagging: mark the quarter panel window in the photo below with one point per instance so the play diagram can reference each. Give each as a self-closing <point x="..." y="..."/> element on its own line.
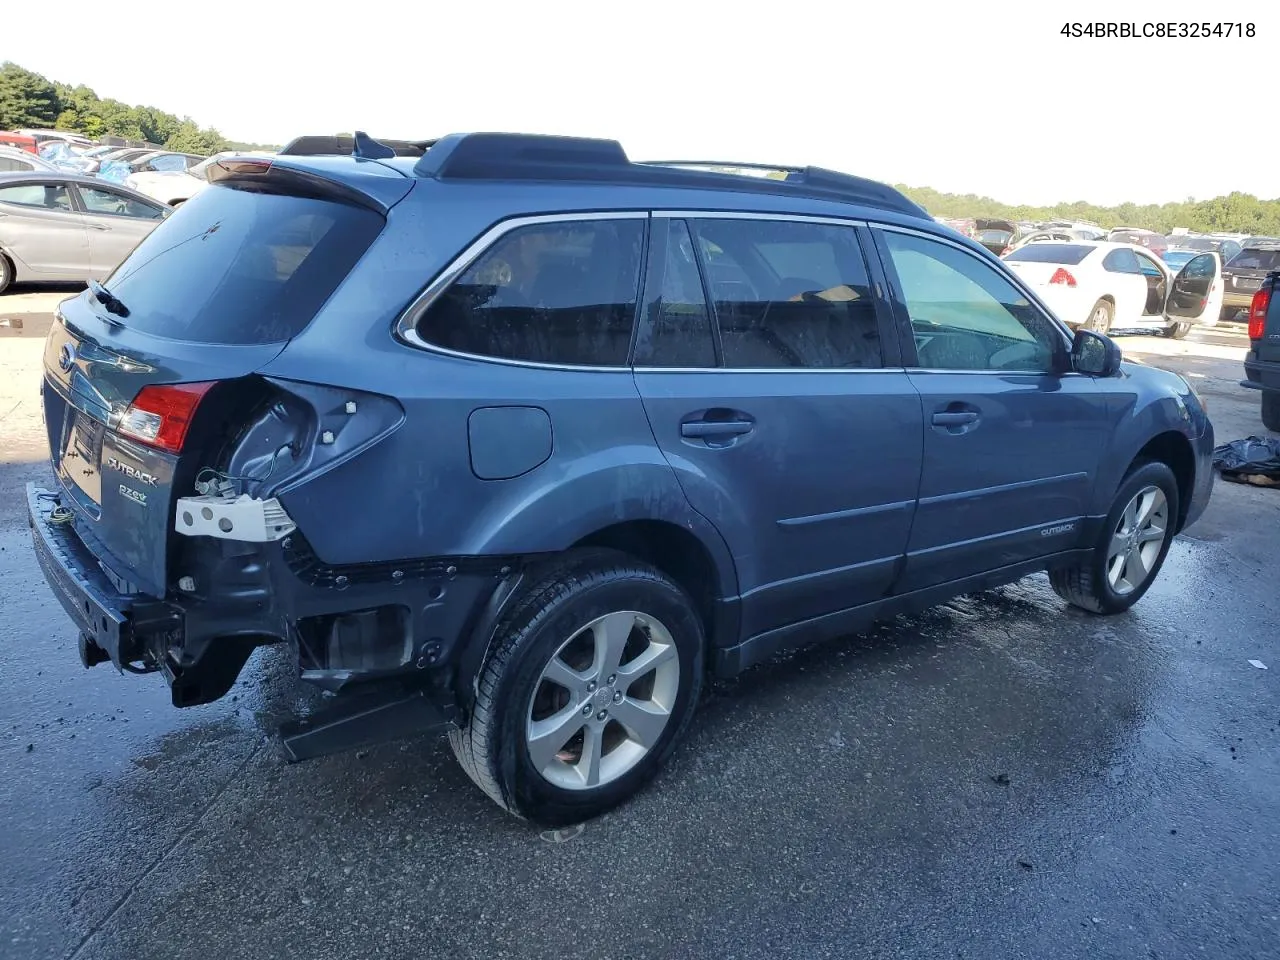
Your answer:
<point x="677" y="328"/>
<point x="965" y="315"/>
<point x="561" y="293"/>
<point x="790" y="294"/>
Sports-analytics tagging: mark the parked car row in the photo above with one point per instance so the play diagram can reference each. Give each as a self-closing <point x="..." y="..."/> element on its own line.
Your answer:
<point x="72" y="209"/>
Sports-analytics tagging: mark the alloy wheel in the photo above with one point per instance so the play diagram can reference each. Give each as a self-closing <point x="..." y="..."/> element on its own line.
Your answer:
<point x="1137" y="540"/>
<point x="603" y="700"/>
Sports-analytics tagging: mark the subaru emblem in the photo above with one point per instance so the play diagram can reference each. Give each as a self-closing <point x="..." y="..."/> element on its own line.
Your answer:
<point x="67" y="358"/>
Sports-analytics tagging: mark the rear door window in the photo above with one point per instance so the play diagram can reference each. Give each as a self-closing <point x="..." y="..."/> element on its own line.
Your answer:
<point x="99" y="201"/>
<point x="1121" y="261"/>
<point x="789" y="294"/>
<point x="560" y="293"/>
<point x="235" y="266"/>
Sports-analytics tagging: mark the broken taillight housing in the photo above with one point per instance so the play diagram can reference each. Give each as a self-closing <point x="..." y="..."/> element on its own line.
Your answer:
<point x="1258" y="311"/>
<point x="161" y="414"/>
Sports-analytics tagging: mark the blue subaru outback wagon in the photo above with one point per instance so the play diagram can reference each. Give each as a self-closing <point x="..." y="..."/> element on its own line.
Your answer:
<point x="514" y="437"/>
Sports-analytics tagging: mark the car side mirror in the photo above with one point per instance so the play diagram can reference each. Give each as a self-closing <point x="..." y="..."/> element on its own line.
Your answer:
<point x="1095" y="354"/>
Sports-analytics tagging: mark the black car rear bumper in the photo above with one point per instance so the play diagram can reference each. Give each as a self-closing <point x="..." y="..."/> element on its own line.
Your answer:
<point x="1260" y="374"/>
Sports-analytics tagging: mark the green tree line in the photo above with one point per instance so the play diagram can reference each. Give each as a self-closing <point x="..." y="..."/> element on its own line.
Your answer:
<point x="28" y="99"/>
<point x="1234" y="213"/>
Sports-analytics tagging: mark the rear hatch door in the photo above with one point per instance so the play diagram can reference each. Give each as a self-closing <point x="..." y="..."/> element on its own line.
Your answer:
<point x="1244" y="273"/>
<point x="205" y="301"/>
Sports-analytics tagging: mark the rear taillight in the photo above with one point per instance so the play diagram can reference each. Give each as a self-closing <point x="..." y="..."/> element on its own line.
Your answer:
<point x="1006" y="250"/>
<point x="1062" y="275"/>
<point x="160" y="415"/>
<point x="1258" y="312"/>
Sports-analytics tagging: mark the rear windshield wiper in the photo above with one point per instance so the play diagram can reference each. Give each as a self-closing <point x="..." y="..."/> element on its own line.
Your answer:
<point x="108" y="299"/>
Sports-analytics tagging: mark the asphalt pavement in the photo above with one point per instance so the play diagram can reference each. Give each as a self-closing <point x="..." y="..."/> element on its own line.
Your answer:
<point x="1000" y="777"/>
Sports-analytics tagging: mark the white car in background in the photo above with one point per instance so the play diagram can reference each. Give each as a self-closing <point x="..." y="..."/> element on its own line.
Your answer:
<point x="1055" y="235"/>
<point x="1101" y="285"/>
<point x="177" y="186"/>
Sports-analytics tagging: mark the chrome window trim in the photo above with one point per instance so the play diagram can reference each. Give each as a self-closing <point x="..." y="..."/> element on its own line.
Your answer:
<point x="777" y="370"/>
<point x="405" y="328"/>
<point x="1014" y="279"/>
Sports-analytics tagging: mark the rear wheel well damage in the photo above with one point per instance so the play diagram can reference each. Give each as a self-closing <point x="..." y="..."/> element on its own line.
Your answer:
<point x="670" y="549"/>
<point x="1174" y="450"/>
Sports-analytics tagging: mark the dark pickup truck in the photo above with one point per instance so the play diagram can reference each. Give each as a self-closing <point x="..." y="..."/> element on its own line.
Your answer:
<point x="1262" y="363"/>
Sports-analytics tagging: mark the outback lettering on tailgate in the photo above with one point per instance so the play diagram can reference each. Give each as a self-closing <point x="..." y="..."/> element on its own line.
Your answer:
<point x="133" y="472"/>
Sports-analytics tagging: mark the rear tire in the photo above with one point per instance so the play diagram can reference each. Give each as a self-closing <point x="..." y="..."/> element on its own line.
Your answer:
<point x="1124" y="564"/>
<point x="601" y="633"/>
<point x="6" y="273"/>
<point x="1100" y="317"/>
<point x="1271" y="411"/>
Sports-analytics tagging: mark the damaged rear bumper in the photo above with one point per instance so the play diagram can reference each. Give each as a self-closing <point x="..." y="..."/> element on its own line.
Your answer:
<point x="390" y="636"/>
<point x="113" y="626"/>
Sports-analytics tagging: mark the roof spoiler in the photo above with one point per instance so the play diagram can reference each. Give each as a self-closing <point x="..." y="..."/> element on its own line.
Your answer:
<point x="358" y="145"/>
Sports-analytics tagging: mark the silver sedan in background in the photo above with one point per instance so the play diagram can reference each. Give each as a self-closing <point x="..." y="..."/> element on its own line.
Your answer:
<point x="57" y="226"/>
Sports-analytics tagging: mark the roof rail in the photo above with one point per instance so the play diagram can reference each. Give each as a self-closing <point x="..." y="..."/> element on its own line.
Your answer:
<point x="515" y="156"/>
<point x="342" y="145"/>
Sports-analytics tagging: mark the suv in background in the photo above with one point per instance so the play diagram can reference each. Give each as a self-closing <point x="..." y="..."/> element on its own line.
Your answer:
<point x="1262" y="362"/>
<point x="1157" y="243"/>
<point x="1243" y="274"/>
<point x="522" y="440"/>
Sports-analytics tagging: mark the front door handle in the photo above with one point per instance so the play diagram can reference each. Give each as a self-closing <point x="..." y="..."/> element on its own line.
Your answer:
<point x="98" y="226"/>
<point x="702" y="429"/>
<point x="954" y="418"/>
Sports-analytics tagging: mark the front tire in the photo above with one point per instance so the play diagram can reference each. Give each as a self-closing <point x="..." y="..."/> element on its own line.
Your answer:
<point x="1177" y="331"/>
<point x="1271" y="411"/>
<point x="1131" y="549"/>
<point x="1100" y="317"/>
<point x="6" y="273"/>
<point x="588" y="687"/>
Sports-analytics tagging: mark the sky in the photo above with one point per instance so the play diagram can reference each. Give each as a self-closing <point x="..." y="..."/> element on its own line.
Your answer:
<point x="966" y="97"/>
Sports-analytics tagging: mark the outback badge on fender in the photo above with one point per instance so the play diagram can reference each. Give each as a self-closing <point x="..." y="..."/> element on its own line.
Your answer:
<point x="132" y="472"/>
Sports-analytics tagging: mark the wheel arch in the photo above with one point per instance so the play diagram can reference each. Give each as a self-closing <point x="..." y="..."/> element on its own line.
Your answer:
<point x="1173" y="449"/>
<point x="692" y="554"/>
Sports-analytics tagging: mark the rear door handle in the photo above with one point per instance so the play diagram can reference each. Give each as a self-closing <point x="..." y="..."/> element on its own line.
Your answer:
<point x="958" y="418"/>
<point x="98" y="226"/>
<point x="701" y="429"/>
